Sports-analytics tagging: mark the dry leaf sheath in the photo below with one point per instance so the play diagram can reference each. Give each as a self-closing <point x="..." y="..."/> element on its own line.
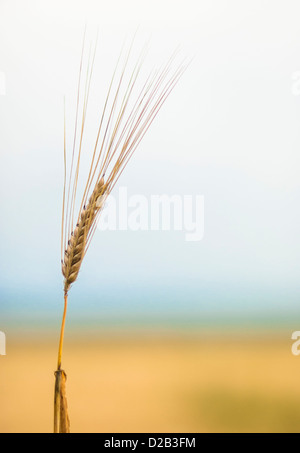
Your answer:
<point x="123" y="122"/>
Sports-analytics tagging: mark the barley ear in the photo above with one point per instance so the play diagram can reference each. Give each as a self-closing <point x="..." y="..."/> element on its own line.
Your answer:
<point x="124" y="121"/>
<point x="78" y="241"/>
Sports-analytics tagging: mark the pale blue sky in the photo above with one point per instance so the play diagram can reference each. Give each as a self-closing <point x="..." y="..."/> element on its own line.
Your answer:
<point x="230" y="131"/>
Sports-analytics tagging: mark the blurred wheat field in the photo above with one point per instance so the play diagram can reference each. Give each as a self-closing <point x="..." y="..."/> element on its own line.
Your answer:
<point x="155" y="383"/>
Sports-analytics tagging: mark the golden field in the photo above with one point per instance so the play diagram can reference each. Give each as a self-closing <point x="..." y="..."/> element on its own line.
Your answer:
<point x="155" y="382"/>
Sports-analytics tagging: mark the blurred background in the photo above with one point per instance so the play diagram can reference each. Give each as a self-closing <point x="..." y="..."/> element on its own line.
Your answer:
<point x="162" y="335"/>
